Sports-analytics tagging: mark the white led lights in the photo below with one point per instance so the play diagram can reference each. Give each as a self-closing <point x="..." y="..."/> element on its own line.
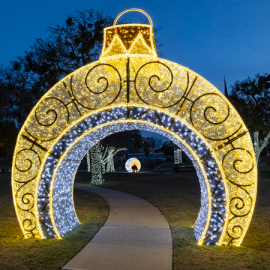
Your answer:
<point x="77" y="148"/>
<point x="258" y="149"/>
<point x="109" y="159"/>
<point x="97" y="164"/>
<point x="131" y="88"/>
<point x="88" y="161"/>
<point x="133" y="165"/>
<point x="177" y="156"/>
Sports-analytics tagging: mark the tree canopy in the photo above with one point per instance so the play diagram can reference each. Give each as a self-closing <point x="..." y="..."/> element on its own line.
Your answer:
<point x="77" y="42"/>
<point x="69" y="46"/>
<point x="131" y="139"/>
<point x="149" y="144"/>
<point x="168" y="148"/>
<point x="251" y="98"/>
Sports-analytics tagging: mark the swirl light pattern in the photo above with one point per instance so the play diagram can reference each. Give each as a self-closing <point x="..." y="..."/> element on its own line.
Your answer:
<point x="131" y="162"/>
<point x="131" y="88"/>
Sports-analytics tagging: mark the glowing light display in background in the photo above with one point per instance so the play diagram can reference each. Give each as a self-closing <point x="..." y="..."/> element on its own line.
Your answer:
<point x="177" y="156"/>
<point x="109" y="159"/>
<point x="133" y="162"/>
<point x="257" y="147"/>
<point x="131" y="88"/>
<point x="88" y="161"/>
<point x="97" y="164"/>
<point x="101" y="158"/>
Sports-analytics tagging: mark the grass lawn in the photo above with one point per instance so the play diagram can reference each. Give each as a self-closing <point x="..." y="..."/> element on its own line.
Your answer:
<point x="91" y="209"/>
<point x="178" y="198"/>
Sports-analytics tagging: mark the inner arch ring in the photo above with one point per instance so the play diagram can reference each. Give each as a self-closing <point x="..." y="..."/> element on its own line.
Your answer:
<point x="62" y="214"/>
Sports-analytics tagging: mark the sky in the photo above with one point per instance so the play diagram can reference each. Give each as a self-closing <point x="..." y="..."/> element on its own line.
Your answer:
<point x="185" y="42"/>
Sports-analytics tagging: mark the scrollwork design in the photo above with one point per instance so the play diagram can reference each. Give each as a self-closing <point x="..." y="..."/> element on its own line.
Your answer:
<point x="240" y="207"/>
<point x="27" y="164"/>
<point x="210" y="120"/>
<point x="104" y="84"/>
<point x="50" y="119"/>
<point x="153" y="85"/>
<point x="234" y="232"/>
<point x="237" y="163"/>
<point x="29" y="225"/>
<point x="25" y="201"/>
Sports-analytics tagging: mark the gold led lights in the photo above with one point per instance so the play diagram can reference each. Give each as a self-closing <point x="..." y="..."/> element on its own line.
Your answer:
<point x="133" y="165"/>
<point x="129" y="39"/>
<point x="131" y="88"/>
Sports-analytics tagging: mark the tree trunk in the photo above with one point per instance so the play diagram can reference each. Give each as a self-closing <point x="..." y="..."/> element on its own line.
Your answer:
<point x="257" y="148"/>
<point x="88" y="161"/>
<point x="96" y="165"/>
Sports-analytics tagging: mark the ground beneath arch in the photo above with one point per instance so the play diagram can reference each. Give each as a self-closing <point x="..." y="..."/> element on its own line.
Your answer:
<point x="135" y="236"/>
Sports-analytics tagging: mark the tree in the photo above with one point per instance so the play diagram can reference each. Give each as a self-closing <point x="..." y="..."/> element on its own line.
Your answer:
<point x="17" y="98"/>
<point x="258" y="149"/>
<point x="88" y="161"/>
<point x="17" y="91"/>
<point x="251" y="98"/>
<point x="149" y="144"/>
<point x="131" y="139"/>
<point x="112" y="151"/>
<point x="69" y="46"/>
<point x="8" y="136"/>
<point x="134" y="168"/>
<point x="168" y="149"/>
<point x="75" y="43"/>
<point x="177" y="156"/>
<point x="96" y="164"/>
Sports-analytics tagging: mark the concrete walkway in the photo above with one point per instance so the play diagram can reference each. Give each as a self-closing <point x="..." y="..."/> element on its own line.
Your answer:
<point x="135" y="236"/>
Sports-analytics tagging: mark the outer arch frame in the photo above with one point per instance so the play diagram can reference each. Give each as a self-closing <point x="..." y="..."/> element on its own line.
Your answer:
<point x="25" y="142"/>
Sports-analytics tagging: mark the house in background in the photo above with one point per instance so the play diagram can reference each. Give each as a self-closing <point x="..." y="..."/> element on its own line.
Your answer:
<point x="151" y="157"/>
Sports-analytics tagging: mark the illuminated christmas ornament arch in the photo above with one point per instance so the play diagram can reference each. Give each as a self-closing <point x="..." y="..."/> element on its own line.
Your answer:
<point x="131" y="88"/>
<point x="131" y="162"/>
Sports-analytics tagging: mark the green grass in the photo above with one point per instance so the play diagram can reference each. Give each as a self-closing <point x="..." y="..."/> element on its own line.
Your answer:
<point x="92" y="211"/>
<point x="178" y="198"/>
<point x="168" y="165"/>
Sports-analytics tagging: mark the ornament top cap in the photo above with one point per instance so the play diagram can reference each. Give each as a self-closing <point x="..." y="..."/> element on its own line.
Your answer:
<point x="133" y="9"/>
<point x="129" y="39"/>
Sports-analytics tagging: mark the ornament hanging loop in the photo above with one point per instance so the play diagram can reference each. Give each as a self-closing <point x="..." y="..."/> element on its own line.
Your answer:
<point x="133" y="9"/>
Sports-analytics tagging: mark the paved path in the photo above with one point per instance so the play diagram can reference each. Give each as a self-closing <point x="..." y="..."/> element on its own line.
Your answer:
<point x="135" y="236"/>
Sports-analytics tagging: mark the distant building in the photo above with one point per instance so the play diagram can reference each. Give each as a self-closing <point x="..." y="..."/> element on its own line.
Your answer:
<point x="140" y="156"/>
<point x="151" y="156"/>
<point x="121" y="155"/>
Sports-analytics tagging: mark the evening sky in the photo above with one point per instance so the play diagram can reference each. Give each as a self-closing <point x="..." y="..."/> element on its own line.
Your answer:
<point x="207" y="52"/>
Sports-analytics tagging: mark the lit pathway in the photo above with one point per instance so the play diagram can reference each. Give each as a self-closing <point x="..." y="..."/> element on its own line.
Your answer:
<point x="135" y="236"/>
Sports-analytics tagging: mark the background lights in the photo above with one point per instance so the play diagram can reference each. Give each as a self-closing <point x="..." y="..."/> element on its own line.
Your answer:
<point x="131" y="88"/>
<point x="133" y="162"/>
